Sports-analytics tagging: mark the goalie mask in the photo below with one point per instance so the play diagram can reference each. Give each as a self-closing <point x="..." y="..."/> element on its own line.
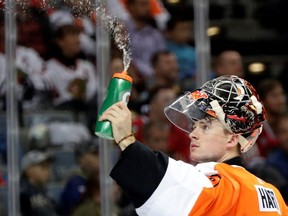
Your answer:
<point x="230" y="99"/>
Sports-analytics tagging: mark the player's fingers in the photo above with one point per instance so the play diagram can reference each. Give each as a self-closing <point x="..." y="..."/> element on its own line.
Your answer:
<point x="120" y="119"/>
<point x="122" y="105"/>
<point x="118" y="110"/>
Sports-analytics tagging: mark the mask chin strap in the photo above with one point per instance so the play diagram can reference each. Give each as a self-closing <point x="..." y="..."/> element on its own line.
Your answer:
<point x="245" y="143"/>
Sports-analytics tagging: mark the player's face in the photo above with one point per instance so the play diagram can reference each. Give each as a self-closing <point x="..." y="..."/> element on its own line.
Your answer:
<point x="208" y="141"/>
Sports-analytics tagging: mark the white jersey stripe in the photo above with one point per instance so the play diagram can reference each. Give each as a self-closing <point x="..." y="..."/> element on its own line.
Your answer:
<point x="177" y="192"/>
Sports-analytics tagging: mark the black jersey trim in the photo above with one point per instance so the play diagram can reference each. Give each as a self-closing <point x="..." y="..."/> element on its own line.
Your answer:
<point x="139" y="171"/>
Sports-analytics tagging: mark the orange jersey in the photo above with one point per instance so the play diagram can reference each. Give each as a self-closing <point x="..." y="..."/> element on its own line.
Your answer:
<point x="212" y="189"/>
<point x="238" y="192"/>
<point x="161" y="186"/>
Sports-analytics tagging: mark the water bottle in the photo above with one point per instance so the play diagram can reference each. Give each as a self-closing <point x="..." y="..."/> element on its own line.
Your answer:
<point x="119" y="89"/>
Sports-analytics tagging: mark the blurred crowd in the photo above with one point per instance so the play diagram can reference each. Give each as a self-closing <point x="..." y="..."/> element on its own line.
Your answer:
<point x="57" y="89"/>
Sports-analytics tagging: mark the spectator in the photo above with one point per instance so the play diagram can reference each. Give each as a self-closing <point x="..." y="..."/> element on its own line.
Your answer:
<point x="34" y="30"/>
<point x="29" y="66"/>
<point x="90" y="203"/>
<point x="229" y="62"/>
<point x="87" y="157"/>
<point x="70" y="78"/>
<point x="155" y="136"/>
<point x="157" y="11"/>
<point x="34" y="200"/>
<point x="178" y="141"/>
<point x="279" y="158"/>
<point x="273" y="97"/>
<point x="145" y="39"/>
<point x="158" y="98"/>
<point x="178" y="38"/>
<point x="165" y="70"/>
<point x="68" y="15"/>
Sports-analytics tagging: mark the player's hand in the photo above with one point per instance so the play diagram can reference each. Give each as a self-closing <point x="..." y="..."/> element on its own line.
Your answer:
<point x="121" y="119"/>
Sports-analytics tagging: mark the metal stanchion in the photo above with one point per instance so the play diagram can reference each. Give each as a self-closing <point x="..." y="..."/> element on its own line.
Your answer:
<point x="12" y="110"/>
<point x="105" y="147"/>
<point x="202" y="41"/>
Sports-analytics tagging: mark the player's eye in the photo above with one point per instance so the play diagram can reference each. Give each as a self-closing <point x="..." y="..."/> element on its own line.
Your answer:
<point x="204" y="126"/>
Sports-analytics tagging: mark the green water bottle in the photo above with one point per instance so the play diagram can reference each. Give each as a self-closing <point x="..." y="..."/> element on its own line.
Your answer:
<point x="119" y="89"/>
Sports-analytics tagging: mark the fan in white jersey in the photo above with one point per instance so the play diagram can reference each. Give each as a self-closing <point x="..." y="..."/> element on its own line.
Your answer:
<point x="69" y="76"/>
<point x="29" y="67"/>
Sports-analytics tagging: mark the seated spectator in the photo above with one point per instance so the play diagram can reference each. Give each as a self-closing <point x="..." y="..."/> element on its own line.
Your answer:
<point x="28" y="66"/>
<point x="279" y="158"/>
<point x="34" y="200"/>
<point x="159" y="97"/>
<point x="66" y="15"/>
<point x="229" y="62"/>
<point x="90" y="203"/>
<point x="156" y="8"/>
<point x="178" y="38"/>
<point x="70" y="78"/>
<point x="145" y="39"/>
<point x="273" y="97"/>
<point x="165" y="70"/>
<point x="88" y="159"/>
<point x="158" y="100"/>
<point x="155" y="135"/>
<point x="165" y="73"/>
<point x="33" y="29"/>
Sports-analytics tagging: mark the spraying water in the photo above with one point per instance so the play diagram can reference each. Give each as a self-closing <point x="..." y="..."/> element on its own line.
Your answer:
<point x="119" y="33"/>
<point x="114" y="26"/>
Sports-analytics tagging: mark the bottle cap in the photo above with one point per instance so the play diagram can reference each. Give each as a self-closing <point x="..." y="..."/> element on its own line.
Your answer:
<point x="123" y="75"/>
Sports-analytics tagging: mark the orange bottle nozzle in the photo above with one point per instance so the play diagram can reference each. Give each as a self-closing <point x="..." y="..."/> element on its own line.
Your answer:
<point x="123" y="75"/>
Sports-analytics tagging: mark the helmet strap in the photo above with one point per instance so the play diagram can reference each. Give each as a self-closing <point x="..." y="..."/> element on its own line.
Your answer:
<point x="220" y="114"/>
<point x="244" y="144"/>
<point x="247" y="144"/>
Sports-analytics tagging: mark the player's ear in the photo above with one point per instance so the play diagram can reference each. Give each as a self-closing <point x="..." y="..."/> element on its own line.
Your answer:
<point x="233" y="140"/>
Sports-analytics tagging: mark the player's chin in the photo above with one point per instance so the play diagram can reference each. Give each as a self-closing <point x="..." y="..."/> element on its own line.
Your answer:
<point x="194" y="156"/>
